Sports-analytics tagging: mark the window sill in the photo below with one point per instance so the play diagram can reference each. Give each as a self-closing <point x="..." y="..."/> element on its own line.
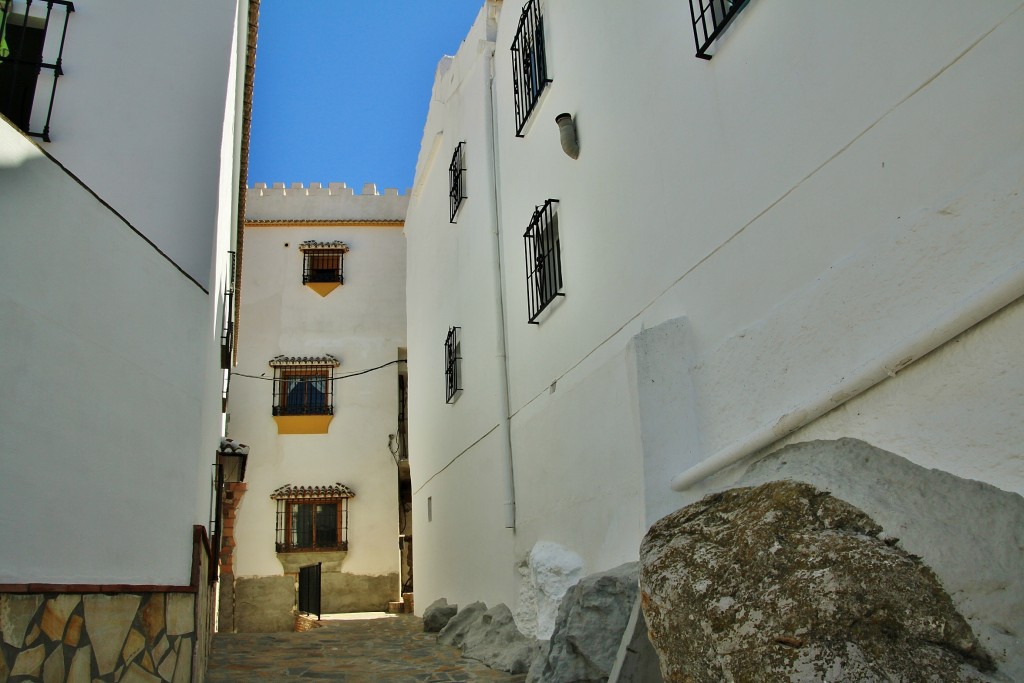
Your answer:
<point x="303" y="424"/>
<point x="330" y="559"/>
<point x="323" y="288"/>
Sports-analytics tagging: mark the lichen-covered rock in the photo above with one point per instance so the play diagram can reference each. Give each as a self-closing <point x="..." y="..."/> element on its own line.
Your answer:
<point x="969" y="533"/>
<point x="437" y="616"/>
<point x="591" y="621"/>
<point x="786" y="582"/>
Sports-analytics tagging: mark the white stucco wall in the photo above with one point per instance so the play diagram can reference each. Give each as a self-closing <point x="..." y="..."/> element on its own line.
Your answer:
<point x="113" y="277"/>
<point x="145" y="86"/>
<point x="105" y="345"/>
<point x="821" y="191"/>
<point x="362" y="323"/>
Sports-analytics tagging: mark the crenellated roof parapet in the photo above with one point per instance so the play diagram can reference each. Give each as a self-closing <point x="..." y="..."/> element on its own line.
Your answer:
<point x="314" y="203"/>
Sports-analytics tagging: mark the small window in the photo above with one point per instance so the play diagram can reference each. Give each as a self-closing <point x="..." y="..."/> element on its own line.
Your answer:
<point x="323" y="265"/>
<point x="456" y="180"/>
<point x="312" y="518"/>
<point x="452" y="358"/>
<point x="543" y="260"/>
<point x="26" y="64"/>
<point x="529" y="63"/>
<point x="303" y="394"/>
<point x="710" y="17"/>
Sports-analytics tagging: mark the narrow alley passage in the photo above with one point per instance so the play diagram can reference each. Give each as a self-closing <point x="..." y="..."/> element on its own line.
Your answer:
<point x="389" y="649"/>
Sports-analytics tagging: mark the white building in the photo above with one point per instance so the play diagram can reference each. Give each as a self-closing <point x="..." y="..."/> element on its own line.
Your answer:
<point x="814" y="234"/>
<point x="323" y="299"/>
<point x="117" y="212"/>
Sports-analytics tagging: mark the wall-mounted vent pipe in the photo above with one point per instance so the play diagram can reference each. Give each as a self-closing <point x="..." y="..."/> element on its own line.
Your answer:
<point x="567" y="135"/>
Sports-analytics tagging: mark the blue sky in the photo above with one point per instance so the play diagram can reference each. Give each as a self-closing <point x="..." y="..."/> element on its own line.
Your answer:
<point x="342" y="87"/>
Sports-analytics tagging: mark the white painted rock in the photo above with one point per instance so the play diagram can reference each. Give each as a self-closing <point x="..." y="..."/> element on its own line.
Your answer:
<point x="548" y="571"/>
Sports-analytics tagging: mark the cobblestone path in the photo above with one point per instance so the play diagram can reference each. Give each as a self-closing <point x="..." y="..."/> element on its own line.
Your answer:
<point x="388" y="649"/>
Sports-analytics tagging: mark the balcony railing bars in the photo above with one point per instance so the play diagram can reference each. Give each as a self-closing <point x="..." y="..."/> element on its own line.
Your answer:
<point x="228" y="326"/>
<point x="529" y="63"/>
<point x="543" y="260"/>
<point x="23" y="64"/>
<point x="710" y="17"/>
<point x="456" y="186"/>
<point x="452" y="356"/>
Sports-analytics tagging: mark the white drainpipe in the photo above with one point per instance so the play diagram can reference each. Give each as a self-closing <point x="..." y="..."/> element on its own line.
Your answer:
<point x="995" y="296"/>
<point x="508" y="471"/>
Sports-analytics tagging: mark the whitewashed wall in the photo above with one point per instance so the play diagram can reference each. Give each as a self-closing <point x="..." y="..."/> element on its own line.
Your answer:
<point x="104" y="352"/>
<point x="119" y="321"/>
<point x="465" y="441"/>
<point x="362" y="323"/>
<point x="835" y="180"/>
<point x="145" y="86"/>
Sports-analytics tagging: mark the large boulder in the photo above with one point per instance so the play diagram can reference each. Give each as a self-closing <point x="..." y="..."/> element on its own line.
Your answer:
<point x="496" y="641"/>
<point x="786" y="582"/>
<point x="969" y="533"/>
<point x="437" y="616"/>
<point x="454" y="632"/>
<point x="490" y="636"/>
<point x="591" y="621"/>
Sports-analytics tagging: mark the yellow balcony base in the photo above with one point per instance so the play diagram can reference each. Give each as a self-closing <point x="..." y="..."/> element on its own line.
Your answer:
<point x="323" y="288"/>
<point x="302" y="424"/>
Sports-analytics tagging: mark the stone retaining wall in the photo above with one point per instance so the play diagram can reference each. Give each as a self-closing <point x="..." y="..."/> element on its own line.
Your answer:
<point x="266" y="604"/>
<point x="108" y="634"/>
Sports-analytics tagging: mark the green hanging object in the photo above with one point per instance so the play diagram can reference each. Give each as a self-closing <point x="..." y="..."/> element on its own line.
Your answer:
<point x="4" y="50"/>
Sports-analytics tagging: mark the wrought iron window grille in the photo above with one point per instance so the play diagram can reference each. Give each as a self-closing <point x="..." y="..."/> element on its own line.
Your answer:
<point x="543" y="260"/>
<point x="323" y="265"/>
<point x="403" y="418"/>
<point x="710" y="18"/>
<point x="456" y="180"/>
<point x="452" y="358"/>
<point x="303" y="390"/>
<point x="24" y="51"/>
<point x="228" y="324"/>
<point x="311" y="525"/>
<point x="529" y="63"/>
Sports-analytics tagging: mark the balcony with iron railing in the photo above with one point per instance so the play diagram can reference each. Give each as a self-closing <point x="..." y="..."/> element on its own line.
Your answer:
<point x="710" y="19"/>
<point x="32" y="36"/>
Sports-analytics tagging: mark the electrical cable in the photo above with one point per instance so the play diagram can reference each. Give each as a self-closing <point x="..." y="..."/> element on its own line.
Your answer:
<point x="332" y="378"/>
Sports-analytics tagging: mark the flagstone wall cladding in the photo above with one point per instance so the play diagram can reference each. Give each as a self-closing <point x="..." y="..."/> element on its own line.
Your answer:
<point x="120" y="638"/>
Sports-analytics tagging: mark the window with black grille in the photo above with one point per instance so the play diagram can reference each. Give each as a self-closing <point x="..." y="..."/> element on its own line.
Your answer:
<point x="529" y="63"/>
<point x="311" y="518"/>
<point x="303" y="388"/>
<point x="710" y="17"/>
<point x="543" y="259"/>
<point x="456" y="180"/>
<point x="452" y="358"/>
<point x="29" y="62"/>
<point x="323" y="265"/>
